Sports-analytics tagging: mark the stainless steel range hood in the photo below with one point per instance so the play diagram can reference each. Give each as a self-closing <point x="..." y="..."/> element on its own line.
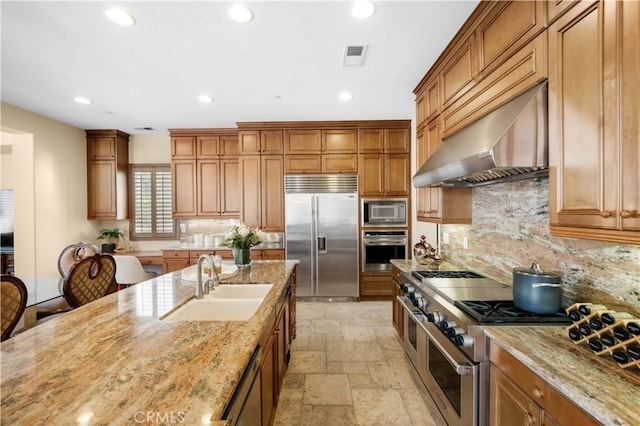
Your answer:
<point x="509" y="143"/>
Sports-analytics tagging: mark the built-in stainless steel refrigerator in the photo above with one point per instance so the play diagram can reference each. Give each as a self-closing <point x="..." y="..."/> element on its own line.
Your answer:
<point x="321" y="214"/>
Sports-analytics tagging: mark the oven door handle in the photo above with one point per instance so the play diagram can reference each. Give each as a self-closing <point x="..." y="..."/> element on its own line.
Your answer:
<point x="461" y="369"/>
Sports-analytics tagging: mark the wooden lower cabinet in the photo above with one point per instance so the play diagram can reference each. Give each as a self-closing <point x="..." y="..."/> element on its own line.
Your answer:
<point x="375" y="285"/>
<point x="520" y="397"/>
<point x="397" y="310"/>
<point x="276" y="341"/>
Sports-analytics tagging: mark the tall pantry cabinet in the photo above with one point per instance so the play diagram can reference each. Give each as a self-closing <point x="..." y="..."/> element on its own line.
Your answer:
<point x="107" y="174"/>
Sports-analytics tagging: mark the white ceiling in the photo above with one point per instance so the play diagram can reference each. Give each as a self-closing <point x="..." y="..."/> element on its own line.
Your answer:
<point x="151" y="74"/>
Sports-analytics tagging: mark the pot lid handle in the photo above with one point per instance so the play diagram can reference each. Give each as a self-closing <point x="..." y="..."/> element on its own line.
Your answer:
<point x="535" y="267"/>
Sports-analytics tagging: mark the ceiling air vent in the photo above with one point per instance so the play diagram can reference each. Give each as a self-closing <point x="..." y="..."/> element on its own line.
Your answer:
<point x="140" y="129"/>
<point x="354" y="55"/>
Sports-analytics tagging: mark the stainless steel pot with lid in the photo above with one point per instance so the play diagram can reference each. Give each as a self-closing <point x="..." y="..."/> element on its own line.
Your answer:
<point x="536" y="290"/>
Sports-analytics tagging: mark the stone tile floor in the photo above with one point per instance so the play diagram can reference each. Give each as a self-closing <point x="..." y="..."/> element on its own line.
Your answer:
<point x="348" y="368"/>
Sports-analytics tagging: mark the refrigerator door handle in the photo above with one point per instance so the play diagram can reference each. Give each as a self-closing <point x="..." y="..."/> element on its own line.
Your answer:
<point x="322" y="244"/>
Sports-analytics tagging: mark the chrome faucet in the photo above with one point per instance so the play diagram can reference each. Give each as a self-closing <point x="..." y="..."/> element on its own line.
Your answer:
<point x="209" y="284"/>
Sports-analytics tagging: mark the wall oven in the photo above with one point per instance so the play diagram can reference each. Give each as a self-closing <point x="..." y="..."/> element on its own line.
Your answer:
<point x="450" y="378"/>
<point x="379" y="247"/>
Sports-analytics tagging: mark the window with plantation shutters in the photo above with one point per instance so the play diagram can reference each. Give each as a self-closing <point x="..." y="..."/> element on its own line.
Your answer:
<point x="151" y="213"/>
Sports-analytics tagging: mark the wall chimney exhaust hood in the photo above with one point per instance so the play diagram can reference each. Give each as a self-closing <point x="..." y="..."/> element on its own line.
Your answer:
<point x="509" y="143"/>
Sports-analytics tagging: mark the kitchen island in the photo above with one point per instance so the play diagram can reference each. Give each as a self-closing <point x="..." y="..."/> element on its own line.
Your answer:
<point x="115" y="361"/>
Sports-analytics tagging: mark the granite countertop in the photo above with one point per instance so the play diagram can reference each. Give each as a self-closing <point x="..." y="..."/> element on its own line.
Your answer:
<point x="113" y="359"/>
<point x="409" y="265"/>
<point x="595" y="384"/>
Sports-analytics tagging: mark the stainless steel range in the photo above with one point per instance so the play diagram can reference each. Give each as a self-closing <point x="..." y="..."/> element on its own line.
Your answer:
<point x="445" y="315"/>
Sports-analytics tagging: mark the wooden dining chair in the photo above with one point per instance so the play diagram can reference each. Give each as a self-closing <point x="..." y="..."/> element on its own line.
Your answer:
<point x="13" y="302"/>
<point x="89" y="280"/>
<point x="69" y="256"/>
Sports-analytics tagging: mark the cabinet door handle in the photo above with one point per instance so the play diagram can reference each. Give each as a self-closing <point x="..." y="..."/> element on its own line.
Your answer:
<point x="605" y="213"/>
<point x="529" y="420"/>
<point x="537" y="393"/>
<point x="625" y="214"/>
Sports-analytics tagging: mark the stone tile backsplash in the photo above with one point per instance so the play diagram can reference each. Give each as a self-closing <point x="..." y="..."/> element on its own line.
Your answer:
<point x="511" y="228"/>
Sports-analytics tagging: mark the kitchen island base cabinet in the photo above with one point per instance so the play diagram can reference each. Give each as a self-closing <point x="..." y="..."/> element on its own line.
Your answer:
<point x="397" y="310"/>
<point x="520" y="397"/>
<point x="276" y="343"/>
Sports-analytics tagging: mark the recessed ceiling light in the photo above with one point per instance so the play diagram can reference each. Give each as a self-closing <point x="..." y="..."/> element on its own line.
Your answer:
<point x="121" y="17"/>
<point x="240" y="13"/>
<point x="345" y="96"/>
<point x="362" y="9"/>
<point x="205" y="99"/>
<point x="82" y="100"/>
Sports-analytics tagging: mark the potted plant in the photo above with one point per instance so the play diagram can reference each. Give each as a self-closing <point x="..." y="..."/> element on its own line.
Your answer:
<point x="110" y="235"/>
<point x="240" y="239"/>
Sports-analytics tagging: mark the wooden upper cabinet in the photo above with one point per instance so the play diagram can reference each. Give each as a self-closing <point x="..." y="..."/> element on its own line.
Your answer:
<point x="397" y="170"/>
<point x="204" y="166"/>
<point x="506" y="29"/>
<point x="272" y="183"/>
<point x="557" y="8"/>
<point x="458" y="72"/>
<point x="249" y="180"/>
<point x="249" y="142"/>
<point x="302" y="141"/>
<point x="301" y="164"/>
<point x="629" y="87"/>
<point x="433" y="99"/>
<point x="522" y="71"/>
<point x="184" y="190"/>
<point x="228" y="146"/>
<point x="271" y="142"/>
<point x="101" y="148"/>
<point x="208" y="187"/>
<point x="397" y="140"/>
<point x="384" y="140"/>
<point x="371" y="140"/>
<point x="421" y="110"/>
<point x="107" y="174"/>
<point x="183" y="147"/>
<point x="593" y="122"/>
<point x="339" y="163"/>
<point x="371" y="169"/>
<point x="339" y="141"/>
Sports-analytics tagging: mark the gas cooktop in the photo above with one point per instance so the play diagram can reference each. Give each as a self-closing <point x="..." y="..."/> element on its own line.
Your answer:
<point x="505" y="311"/>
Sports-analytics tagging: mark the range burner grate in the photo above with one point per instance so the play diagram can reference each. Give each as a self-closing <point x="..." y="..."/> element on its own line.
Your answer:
<point x="445" y="274"/>
<point x="502" y="311"/>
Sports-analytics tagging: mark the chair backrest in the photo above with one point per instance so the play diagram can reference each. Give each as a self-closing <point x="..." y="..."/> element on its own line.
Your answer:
<point x="129" y="270"/>
<point x="14" y="302"/>
<point x="73" y="254"/>
<point x="89" y="279"/>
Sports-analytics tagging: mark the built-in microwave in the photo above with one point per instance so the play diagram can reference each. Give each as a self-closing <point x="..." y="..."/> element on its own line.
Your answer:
<point x="384" y="212"/>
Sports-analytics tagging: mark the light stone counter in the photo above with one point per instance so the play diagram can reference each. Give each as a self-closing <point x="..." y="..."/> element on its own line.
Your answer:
<point x="114" y="361"/>
<point x="608" y="393"/>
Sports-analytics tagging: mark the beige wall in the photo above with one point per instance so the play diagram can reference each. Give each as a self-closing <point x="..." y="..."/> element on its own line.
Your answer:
<point x="59" y="182"/>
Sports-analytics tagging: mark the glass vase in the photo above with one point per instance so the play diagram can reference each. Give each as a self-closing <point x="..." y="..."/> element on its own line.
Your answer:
<point x="242" y="257"/>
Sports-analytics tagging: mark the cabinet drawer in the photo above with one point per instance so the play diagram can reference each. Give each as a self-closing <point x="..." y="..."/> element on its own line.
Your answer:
<point x="340" y="163"/>
<point x="175" y="254"/>
<point x="150" y="260"/>
<point x="303" y="164"/>
<point x="552" y="402"/>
